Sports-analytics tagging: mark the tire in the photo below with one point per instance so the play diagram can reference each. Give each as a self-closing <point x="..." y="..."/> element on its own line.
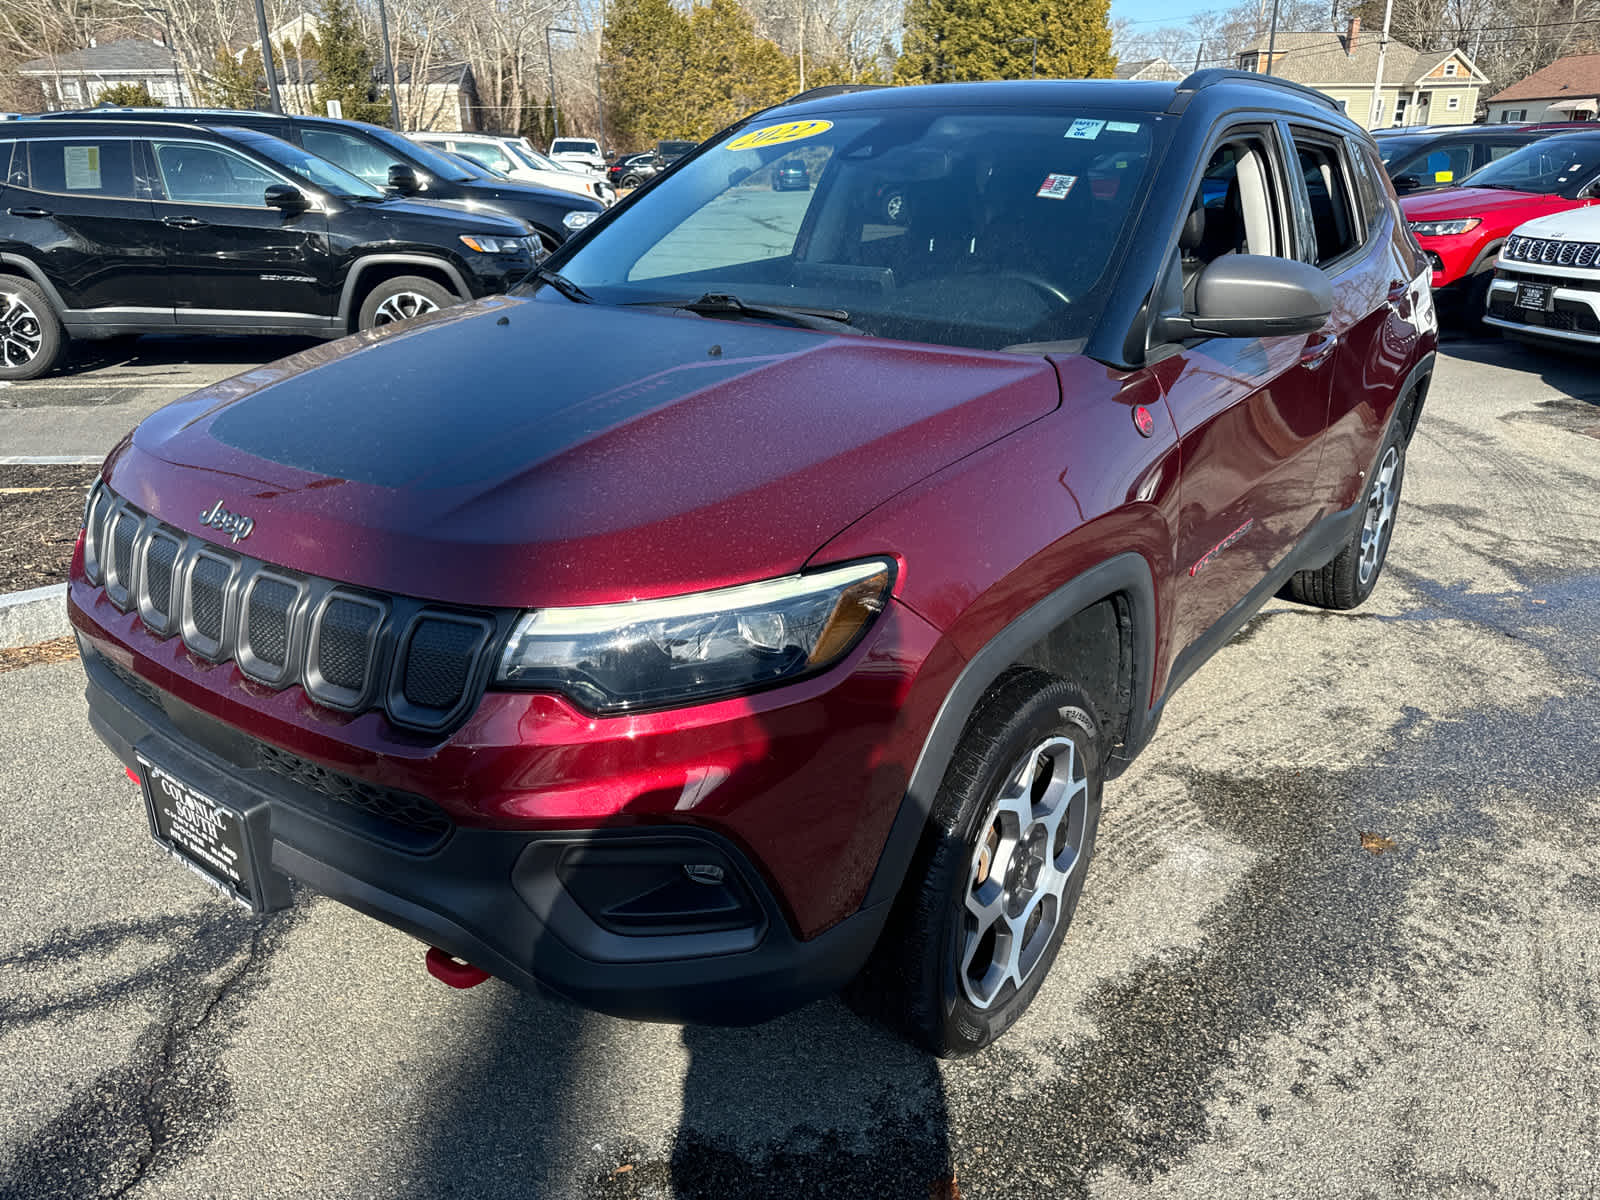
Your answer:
<point x="32" y="340"/>
<point x="1478" y="301"/>
<point x="1349" y="577"/>
<point x="942" y="975"/>
<point x="630" y="181"/>
<point x="403" y="298"/>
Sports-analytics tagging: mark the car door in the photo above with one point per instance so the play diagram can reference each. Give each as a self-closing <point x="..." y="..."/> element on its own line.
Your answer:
<point x="1250" y="412"/>
<point x="235" y="261"/>
<point x="81" y="206"/>
<point x="1353" y="236"/>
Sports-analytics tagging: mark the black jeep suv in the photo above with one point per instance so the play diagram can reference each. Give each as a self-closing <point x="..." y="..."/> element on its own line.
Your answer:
<point x="385" y="159"/>
<point x="120" y="227"/>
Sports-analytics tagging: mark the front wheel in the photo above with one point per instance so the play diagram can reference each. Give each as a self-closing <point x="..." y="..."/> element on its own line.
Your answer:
<point x="31" y="337"/>
<point x="401" y="299"/>
<point x="998" y="876"/>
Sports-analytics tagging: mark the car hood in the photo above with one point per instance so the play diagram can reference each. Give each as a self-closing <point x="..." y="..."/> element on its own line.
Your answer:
<point x="456" y="216"/>
<point x="530" y="451"/>
<point x="1476" y="202"/>
<point x="510" y="192"/>
<point x="1574" y="225"/>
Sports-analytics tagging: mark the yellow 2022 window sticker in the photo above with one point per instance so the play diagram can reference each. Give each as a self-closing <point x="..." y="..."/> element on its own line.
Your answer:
<point x="777" y="135"/>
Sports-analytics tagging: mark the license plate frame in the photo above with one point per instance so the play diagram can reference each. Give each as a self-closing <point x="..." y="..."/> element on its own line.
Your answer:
<point x="1534" y="296"/>
<point x="227" y="845"/>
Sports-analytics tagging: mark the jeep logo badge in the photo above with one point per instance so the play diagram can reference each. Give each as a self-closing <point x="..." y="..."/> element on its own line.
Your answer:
<point x="236" y="525"/>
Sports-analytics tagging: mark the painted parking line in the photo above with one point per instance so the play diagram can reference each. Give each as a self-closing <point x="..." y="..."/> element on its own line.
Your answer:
<point x="51" y="460"/>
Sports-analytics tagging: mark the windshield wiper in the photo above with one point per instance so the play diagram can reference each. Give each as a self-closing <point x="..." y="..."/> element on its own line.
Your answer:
<point x="723" y="304"/>
<point x="561" y="284"/>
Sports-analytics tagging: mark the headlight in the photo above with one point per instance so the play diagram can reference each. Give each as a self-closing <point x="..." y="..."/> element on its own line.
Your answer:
<point x="613" y="658"/>
<point x="1444" y="228"/>
<point x="578" y="220"/>
<point x="494" y="245"/>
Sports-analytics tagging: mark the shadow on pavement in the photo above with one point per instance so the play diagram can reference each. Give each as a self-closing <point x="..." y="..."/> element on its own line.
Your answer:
<point x="163" y="349"/>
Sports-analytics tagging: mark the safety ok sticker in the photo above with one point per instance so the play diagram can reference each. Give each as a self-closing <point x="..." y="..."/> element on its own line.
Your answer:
<point x="1056" y="187"/>
<point x="776" y="135"/>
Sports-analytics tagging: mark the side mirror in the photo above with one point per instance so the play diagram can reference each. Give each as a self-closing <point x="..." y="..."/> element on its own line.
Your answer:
<point x="1253" y="296"/>
<point x="1407" y="183"/>
<point x="286" y="198"/>
<point x="404" y="180"/>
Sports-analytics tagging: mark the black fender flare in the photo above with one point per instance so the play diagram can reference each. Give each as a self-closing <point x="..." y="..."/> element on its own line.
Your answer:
<point x="32" y="271"/>
<point x="366" y="262"/>
<point x="1127" y="573"/>
<point x="1416" y="385"/>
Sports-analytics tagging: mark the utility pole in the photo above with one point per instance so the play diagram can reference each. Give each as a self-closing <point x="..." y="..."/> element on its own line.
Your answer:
<point x="388" y="66"/>
<point x="1374" y="114"/>
<point x="550" y="65"/>
<point x="266" y="58"/>
<point x="802" y="45"/>
<point x="1272" y="38"/>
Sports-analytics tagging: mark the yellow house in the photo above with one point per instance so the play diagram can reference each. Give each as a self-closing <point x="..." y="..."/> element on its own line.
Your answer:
<point x="1420" y="87"/>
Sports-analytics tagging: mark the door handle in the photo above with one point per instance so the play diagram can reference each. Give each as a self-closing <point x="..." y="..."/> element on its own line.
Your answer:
<point x="183" y="222"/>
<point x="1318" y="349"/>
<point x="29" y="212"/>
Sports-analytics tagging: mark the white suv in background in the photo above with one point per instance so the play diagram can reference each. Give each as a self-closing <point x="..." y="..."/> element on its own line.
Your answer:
<point x="584" y="152"/>
<point x="515" y="159"/>
<point x="1547" y="279"/>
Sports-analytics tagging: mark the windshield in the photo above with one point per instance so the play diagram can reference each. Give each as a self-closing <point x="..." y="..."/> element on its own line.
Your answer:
<point x="1391" y="148"/>
<point x="424" y="156"/>
<point x="571" y="146"/>
<point x="332" y="179"/>
<point x="1557" y="164"/>
<point x="525" y="156"/>
<point x="980" y="228"/>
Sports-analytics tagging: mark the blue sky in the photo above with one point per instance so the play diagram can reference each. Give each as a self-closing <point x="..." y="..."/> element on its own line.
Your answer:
<point x="1154" y="13"/>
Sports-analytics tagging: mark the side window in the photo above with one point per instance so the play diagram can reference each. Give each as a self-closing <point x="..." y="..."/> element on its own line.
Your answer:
<point x="361" y="159"/>
<point x="1448" y="164"/>
<point x="1328" y="194"/>
<point x="490" y="156"/>
<point x="1500" y="150"/>
<point x="83" y="167"/>
<point x="1371" y="186"/>
<point x="193" y="173"/>
<point x="1236" y="210"/>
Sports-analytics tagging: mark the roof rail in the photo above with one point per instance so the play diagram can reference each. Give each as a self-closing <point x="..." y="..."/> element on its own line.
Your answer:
<point x="832" y="89"/>
<point x="1211" y="76"/>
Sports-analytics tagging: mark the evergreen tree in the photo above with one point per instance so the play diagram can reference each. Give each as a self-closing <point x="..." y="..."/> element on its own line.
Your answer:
<point x="951" y="40"/>
<point x="646" y="45"/>
<point x="128" y="95"/>
<point x="234" y="83"/>
<point x="732" y="72"/>
<point x="346" y="66"/>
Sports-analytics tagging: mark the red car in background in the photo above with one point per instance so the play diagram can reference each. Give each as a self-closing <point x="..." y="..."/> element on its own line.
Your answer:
<point x="1461" y="229"/>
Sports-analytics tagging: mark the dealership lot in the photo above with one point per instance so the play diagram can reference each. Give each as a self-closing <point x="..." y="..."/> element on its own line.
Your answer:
<point x="1340" y="936"/>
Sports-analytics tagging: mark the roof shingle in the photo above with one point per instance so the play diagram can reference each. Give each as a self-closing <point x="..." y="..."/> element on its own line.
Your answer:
<point x="133" y="55"/>
<point x="1573" y="77"/>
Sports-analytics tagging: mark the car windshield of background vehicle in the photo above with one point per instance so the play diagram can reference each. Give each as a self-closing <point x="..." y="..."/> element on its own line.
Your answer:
<point x="571" y="147"/>
<point x="334" y="180"/>
<point x="1392" y="148"/>
<point x="982" y="229"/>
<point x="430" y="158"/>
<point x="1556" y="164"/>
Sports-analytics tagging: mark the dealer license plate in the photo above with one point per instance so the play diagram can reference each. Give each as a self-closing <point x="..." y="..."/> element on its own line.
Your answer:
<point x="1533" y="295"/>
<point x="210" y="838"/>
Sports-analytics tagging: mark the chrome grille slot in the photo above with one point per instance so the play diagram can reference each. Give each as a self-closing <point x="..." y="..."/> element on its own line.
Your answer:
<point x="157" y="565"/>
<point x="93" y="533"/>
<point x="343" y="640"/>
<point x="1587" y="254"/>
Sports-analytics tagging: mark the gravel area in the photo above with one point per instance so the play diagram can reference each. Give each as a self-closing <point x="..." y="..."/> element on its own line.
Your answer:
<point x="40" y="512"/>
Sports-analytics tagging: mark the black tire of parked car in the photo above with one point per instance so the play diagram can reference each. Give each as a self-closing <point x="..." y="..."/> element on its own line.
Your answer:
<point x="913" y="982"/>
<point x="1348" y="578"/>
<point x="630" y="181"/>
<point x="403" y="297"/>
<point x="32" y="340"/>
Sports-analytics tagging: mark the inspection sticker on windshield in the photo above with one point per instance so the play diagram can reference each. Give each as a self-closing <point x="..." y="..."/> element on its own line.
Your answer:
<point x="1122" y="127"/>
<point x="1084" y="128"/>
<point x="776" y="135"/>
<point x="1056" y="187"/>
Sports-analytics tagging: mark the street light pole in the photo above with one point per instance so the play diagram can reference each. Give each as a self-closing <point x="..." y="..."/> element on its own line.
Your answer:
<point x="550" y="65"/>
<point x="172" y="49"/>
<point x="266" y="58"/>
<point x="1017" y="41"/>
<point x="388" y="66"/>
<point x="1272" y="38"/>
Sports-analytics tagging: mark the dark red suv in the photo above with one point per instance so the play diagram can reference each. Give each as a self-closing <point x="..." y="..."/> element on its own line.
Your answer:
<point x="758" y="602"/>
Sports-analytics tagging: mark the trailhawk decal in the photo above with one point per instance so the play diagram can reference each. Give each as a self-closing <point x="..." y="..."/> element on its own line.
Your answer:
<point x="1210" y="554"/>
<point x="776" y="135"/>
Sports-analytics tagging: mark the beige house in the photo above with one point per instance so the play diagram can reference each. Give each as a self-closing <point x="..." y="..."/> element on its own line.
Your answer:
<point x="1567" y="90"/>
<point x="1420" y="87"/>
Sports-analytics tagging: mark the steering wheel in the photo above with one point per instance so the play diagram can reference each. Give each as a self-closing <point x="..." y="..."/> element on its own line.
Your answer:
<point x="1038" y="283"/>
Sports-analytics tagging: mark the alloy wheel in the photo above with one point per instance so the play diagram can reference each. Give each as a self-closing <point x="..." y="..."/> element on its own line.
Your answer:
<point x="1028" y="847"/>
<point x="1376" y="525"/>
<point x="21" y="336"/>
<point x="402" y="306"/>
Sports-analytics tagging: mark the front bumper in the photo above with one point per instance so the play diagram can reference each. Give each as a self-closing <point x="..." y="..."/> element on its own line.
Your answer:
<point x="1574" y="312"/>
<point x="597" y="915"/>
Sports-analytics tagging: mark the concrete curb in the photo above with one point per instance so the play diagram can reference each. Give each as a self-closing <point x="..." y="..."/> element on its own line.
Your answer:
<point x="36" y="615"/>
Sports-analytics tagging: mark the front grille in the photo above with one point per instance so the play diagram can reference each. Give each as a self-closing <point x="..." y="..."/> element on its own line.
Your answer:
<point x="424" y="664"/>
<point x="145" y="691"/>
<point x="1551" y="250"/>
<point x="405" y="809"/>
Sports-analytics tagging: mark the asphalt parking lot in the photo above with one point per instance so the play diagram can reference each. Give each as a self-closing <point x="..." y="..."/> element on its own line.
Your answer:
<point x="1340" y="938"/>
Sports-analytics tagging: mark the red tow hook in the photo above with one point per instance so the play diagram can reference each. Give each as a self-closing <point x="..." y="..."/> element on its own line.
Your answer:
<point x="453" y="971"/>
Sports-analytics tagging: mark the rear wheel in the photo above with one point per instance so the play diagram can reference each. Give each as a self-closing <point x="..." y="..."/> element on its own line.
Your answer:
<point x="999" y="873"/>
<point x="31" y="336"/>
<point x="1348" y="579"/>
<point x="403" y="298"/>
